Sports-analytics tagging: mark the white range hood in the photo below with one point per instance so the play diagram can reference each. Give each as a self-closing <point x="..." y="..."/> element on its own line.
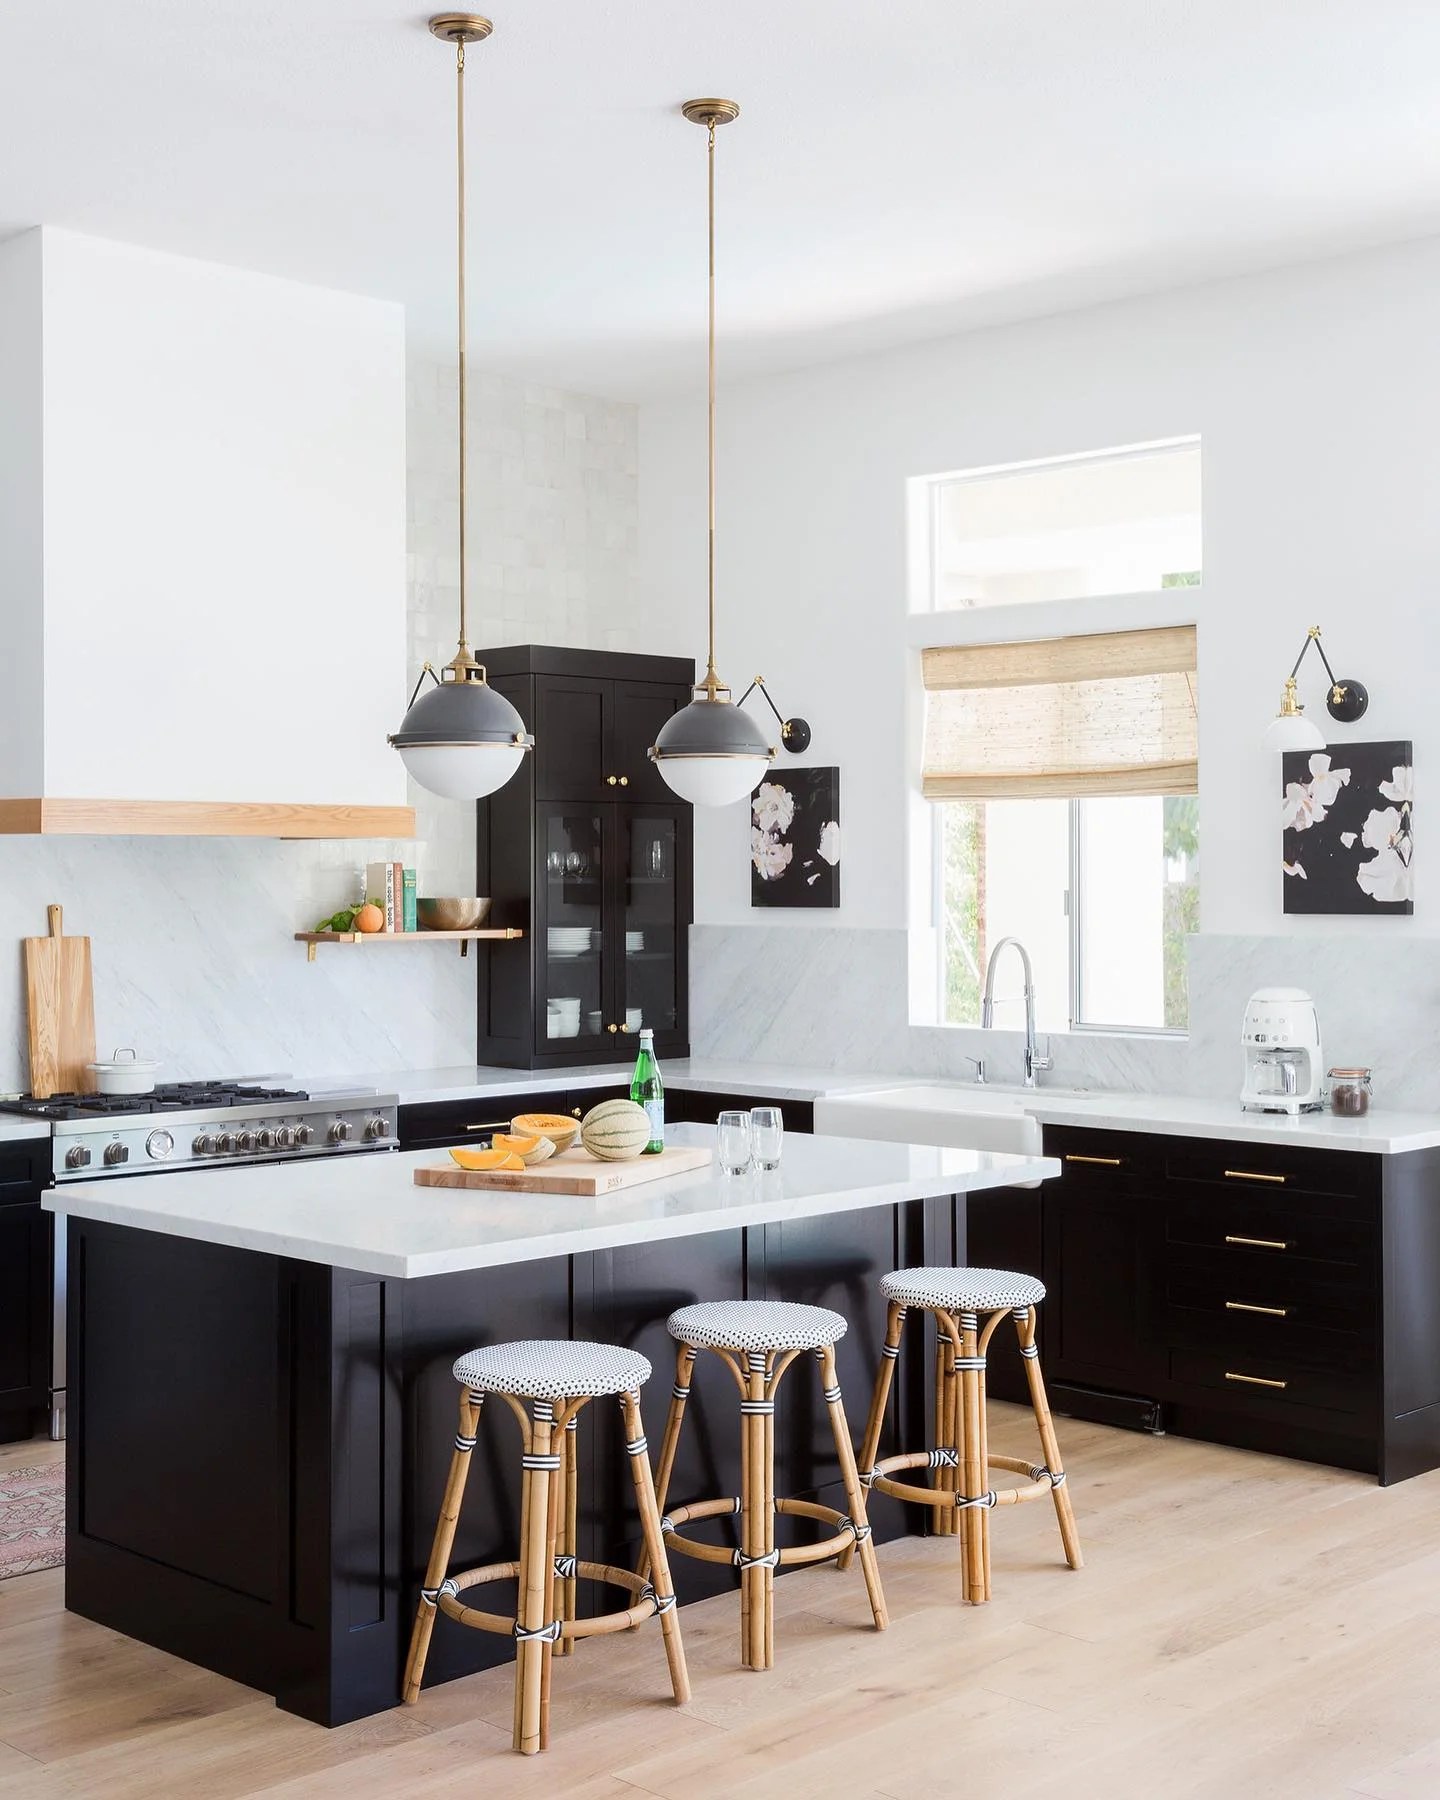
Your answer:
<point x="202" y="548"/>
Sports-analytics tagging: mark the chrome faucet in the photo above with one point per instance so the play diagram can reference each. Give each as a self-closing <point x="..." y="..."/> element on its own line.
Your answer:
<point x="1034" y="1063"/>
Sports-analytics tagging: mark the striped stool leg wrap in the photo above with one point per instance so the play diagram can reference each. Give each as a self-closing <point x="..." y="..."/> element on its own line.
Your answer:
<point x="945" y="1457"/>
<point x="967" y="1500"/>
<point x="756" y="1361"/>
<point x="565" y="1567"/>
<point x="1038" y="1472"/>
<point x="542" y="1634"/>
<point x="890" y="1350"/>
<point x="830" y="1395"/>
<point x="756" y="1408"/>
<point x="543" y="1409"/>
<point x="546" y="1463"/>
<point x="967" y="1362"/>
<point x="769" y="1559"/>
<point x="663" y="1603"/>
<point x="464" y="1444"/>
<point x="638" y="1447"/>
<point x="1031" y="1351"/>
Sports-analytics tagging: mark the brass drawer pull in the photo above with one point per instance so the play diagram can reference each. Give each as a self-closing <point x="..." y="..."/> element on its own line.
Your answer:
<point x="1255" y="1380"/>
<point x="1257" y="1243"/>
<point x="1270" y="1312"/>
<point x="1105" y="1162"/>
<point x="1251" y="1175"/>
<point x="494" y="1125"/>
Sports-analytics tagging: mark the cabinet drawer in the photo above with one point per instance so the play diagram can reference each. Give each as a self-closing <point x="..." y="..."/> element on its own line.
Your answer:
<point x="1270" y="1384"/>
<point x="1252" y="1228"/>
<point x="1329" y="1327"/>
<point x="1271" y="1168"/>
<point x="1108" y="1157"/>
<point x="473" y="1121"/>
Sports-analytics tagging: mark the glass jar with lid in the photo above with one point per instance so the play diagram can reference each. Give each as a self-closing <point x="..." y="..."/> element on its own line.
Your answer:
<point x="1350" y="1092"/>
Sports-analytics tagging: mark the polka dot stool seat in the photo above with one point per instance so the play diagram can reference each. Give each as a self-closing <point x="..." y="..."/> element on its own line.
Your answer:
<point x="962" y="1498"/>
<point x="546" y="1384"/>
<point x="758" y="1340"/>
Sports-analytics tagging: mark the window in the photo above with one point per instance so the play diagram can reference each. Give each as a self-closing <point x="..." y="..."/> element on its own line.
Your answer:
<point x="1116" y="522"/>
<point x="1065" y="771"/>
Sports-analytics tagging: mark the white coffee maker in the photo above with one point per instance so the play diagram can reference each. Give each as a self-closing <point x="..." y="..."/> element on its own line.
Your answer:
<point x="1281" y="1039"/>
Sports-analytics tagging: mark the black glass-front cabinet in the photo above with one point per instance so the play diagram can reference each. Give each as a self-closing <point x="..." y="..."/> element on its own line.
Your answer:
<point x="589" y="853"/>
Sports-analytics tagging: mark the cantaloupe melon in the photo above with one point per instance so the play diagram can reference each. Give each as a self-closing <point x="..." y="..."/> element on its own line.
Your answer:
<point x="561" y="1131"/>
<point x="487" y="1159"/>
<point x="530" y="1150"/>
<point x="615" y="1130"/>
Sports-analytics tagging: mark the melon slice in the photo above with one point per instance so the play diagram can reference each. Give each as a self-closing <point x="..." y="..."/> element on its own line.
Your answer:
<point x="530" y="1150"/>
<point x="488" y="1159"/>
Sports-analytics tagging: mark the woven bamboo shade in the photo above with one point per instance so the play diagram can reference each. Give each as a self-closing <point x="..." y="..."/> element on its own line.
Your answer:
<point x="1112" y="713"/>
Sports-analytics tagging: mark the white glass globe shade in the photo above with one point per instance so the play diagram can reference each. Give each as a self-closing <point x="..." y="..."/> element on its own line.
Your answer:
<point x="461" y="771"/>
<point x="1292" y="731"/>
<point x="712" y="780"/>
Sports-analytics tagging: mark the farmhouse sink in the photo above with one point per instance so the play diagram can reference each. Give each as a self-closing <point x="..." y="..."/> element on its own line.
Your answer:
<point x="962" y="1117"/>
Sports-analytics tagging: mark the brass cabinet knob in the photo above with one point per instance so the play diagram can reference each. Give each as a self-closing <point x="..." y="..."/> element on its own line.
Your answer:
<point x="624" y="781"/>
<point x="575" y="1112"/>
<point x="612" y="1029"/>
<point x="611" y="780"/>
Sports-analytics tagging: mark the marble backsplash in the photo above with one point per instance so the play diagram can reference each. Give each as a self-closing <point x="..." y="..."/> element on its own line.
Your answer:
<point x="836" y="997"/>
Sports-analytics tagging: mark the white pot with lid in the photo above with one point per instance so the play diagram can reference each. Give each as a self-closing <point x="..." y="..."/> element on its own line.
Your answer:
<point x="123" y="1072"/>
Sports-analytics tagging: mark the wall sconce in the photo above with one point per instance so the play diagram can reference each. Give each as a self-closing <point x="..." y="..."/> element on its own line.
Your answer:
<point x="1346" y="701"/>
<point x="794" y="733"/>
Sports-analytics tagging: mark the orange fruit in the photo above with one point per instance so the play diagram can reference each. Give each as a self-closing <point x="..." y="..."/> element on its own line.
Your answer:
<point x="488" y="1159"/>
<point x="369" y="918"/>
<point x="561" y="1130"/>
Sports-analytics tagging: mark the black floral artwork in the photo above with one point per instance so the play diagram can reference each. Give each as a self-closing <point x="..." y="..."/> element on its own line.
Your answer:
<point x="1347" y="829"/>
<point x="795" y="839"/>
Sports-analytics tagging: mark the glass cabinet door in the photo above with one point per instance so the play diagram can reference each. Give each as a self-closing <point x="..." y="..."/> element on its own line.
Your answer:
<point x="573" y="994"/>
<point x="654" y="949"/>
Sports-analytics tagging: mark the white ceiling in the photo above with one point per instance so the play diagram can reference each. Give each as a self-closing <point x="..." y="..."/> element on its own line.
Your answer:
<point x="898" y="172"/>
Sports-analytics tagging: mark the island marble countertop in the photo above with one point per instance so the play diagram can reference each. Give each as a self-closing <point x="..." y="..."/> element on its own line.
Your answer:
<point x="365" y="1212"/>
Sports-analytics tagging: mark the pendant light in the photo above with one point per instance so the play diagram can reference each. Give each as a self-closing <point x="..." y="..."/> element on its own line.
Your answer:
<point x="710" y="752"/>
<point x="460" y="738"/>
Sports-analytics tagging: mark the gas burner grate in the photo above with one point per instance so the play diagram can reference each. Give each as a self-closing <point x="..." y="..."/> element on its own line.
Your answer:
<point x="173" y="1096"/>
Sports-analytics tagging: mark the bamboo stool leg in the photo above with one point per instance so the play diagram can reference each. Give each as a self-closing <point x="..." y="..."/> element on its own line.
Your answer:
<point x="768" y="1501"/>
<point x="684" y="1366"/>
<point x="444" y="1540"/>
<point x="554" y="1506"/>
<point x="945" y="1521"/>
<point x="534" y="1629"/>
<point x="639" y="1456"/>
<point x="854" y="1493"/>
<point x="1049" y="1443"/>
<point x="757" y="1518"/>
<point x="567" y="1551"/>
<point x="974" y="1497"/>
<point x="879" y="1401"/>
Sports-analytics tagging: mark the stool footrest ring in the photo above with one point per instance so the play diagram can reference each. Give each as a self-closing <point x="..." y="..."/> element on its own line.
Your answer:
<point x="881" y="1479"/>
<point x="846" y="1536"/>
<point x="647" y="1602"/>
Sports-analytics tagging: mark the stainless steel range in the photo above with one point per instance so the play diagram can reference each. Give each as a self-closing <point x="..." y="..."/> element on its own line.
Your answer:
<point x="192" y="1125"/>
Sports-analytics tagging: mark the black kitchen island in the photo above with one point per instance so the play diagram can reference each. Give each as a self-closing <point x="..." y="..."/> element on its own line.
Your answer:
<point x="262" y="1409"/>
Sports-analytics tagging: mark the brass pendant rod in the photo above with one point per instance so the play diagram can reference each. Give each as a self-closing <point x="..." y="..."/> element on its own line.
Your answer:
<point x="712" y="680"/>
<point x="464" y="650"/>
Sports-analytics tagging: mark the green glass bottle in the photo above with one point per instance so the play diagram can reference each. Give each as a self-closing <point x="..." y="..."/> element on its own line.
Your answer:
<point x="648" y="1090"/>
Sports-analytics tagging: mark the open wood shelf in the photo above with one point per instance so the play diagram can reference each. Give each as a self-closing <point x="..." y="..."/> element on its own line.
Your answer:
<point x="311" y="939"/>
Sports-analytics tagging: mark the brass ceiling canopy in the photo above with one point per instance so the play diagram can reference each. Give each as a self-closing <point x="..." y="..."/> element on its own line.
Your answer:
<point x="711" y="112"/>
<point x="461" y="28"/>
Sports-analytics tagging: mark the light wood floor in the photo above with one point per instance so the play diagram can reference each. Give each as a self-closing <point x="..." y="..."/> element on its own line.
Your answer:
<point x="1245" y="1627"/>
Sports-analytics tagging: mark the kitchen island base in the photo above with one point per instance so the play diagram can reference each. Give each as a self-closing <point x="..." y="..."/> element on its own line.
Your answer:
<point x="259" y="1444"/>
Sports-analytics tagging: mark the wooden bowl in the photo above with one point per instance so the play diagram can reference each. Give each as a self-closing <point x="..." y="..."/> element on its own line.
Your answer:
<point x="451" y="914"/>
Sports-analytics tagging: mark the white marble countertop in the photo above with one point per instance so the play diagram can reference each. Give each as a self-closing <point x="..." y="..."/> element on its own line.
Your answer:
<point x="13" y="1128"/>
<point x="366" y="1213"/>
<point x="1379" y="1133"/>
<point x="478" y="1081"/>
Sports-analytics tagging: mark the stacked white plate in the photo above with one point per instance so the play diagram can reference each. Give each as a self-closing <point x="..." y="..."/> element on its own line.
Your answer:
<point x="568" y="940"/>
<point x="634" y="940"/>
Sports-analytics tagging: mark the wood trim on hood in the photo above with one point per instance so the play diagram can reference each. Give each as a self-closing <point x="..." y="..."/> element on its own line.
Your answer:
<point x="201" y="818"/>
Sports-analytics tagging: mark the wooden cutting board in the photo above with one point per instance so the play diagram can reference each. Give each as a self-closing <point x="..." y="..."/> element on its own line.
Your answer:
<point x="571" y="1172"/>
<point x="61" y="1004"/>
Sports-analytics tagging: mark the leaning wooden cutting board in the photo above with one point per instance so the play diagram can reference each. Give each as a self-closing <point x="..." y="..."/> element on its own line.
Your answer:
<point x="61" y="1004"/>
<point x="572" y="1172"/>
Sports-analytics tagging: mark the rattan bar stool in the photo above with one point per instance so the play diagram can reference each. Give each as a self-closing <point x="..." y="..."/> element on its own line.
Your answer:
<point x="758" y="1340"/>
<point x="962" y="1497"/>
<point x="545" y="1384"/>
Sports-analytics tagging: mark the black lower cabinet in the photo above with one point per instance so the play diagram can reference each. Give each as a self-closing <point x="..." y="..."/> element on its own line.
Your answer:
<point x="1275" y="1298"/>
<point x="25" y="1286"/>
<point x="258" y="1446"/>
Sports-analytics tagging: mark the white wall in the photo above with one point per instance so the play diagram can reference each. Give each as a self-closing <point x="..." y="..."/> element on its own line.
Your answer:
<point x="1314" y="392"/>
<point x="22" y="698"/>
<point x="193" y="955"/>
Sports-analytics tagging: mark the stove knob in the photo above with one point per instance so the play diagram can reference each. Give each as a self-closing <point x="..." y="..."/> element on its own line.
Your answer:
<point x="78" y="1157"/>
<point x="116" y="1154"/>
<point x="284" y="1137"/>
<point x="225" y="1143"/>
<point x="265" y="1138"/>
<point x="377" y="1129"/>
<point x="245" y="1143"/>
<point x="159" y="1144"/>
<point x="204" y="1145"/>
<point x="339" y="1132"/>
<point x="303" y="1135"/>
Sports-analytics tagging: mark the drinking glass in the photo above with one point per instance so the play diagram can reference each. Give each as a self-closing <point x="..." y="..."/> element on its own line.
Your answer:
<point x="767" y="1131"/>
<point x="733" y="1142"/>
